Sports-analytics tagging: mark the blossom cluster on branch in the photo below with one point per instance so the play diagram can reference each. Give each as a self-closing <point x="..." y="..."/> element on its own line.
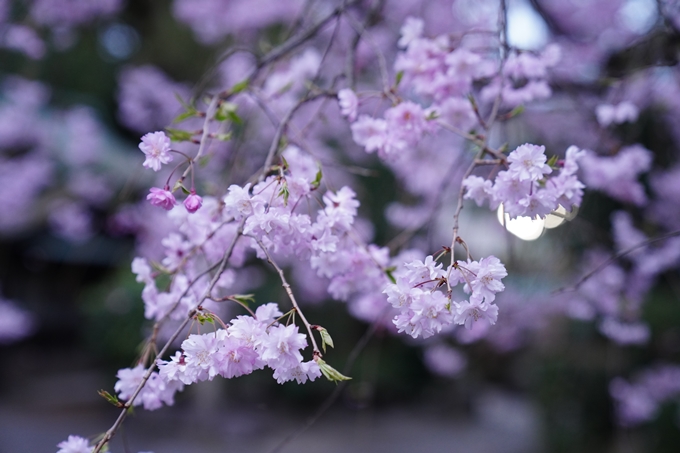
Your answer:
<point x="334" y="147"/>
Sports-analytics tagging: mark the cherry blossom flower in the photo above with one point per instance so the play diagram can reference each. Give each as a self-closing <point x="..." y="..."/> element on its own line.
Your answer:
<point x="156" y="148"/>
<point x="162" y="198"/>
<point x="74" y="444"/>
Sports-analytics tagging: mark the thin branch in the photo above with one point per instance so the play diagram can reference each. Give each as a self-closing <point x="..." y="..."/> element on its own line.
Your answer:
<point x="292" y="44"/>
<point x="129" y="403"/>
<point x="283" y="124"/>
<point x="607" y="262"/>
<point x="286" y="286"/>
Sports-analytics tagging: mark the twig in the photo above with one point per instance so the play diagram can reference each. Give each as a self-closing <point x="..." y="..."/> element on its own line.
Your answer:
<point x="128" y="404"/>
<point x="292" y="44"/>
<point x="286" y="286"/>
<point x="607" y="262"/>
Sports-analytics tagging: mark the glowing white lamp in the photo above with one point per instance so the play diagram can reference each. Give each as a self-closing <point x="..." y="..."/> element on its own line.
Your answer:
<point x="525" y="228"/>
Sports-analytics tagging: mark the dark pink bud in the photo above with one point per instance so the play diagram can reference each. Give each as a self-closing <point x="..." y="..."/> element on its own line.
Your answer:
<point x="193" y="202"/>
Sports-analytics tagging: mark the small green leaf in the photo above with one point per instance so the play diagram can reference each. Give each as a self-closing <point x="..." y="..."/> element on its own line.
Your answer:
<point x="552" y="161"/>
<point x="433" y="115"/>
<point x="329" y="372"/>
<point x="325" y="338"/>
<point x="226" y="111"/>
<point x="389" y="271"/>
<point x="177" y="186"/>
<point x="400" y="75"/>
<point x="223" y="137"/>
<point x="242" y="85"/>
<point x="245" y="299"/>
<point x="110" y="398"/>
<point x="178" y="135"/>
<point x="188" y="114"/>
<point x="516" y="111"/>
<point x="317" y="181"/>
<point x="285" y="163"/>
<point x="284" y="192"/>
<point x="205" y="317"/>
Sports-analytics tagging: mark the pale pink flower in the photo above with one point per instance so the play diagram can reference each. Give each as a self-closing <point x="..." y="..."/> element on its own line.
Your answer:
<point x="527" y="162"/>
<point x="156" y="148"/>
<point x="411" y="30"/>
<point x="371" y="133"/>
<point x="469" y="312"/>
<point x="74" y="444"/>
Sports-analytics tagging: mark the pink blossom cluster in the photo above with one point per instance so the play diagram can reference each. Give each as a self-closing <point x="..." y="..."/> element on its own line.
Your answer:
<point x="639" y="401"/>
<point x="212" y="20"/>
<point x="247" y="344"/>
<point x="77" y="444"/>
<point x="403" y="126"/>
<point x="528" y="187"/>
<point x="424" y="310"/>
<point x="155" y="393"/>
<point x="524" y="78"/>
<point x="623" y="112"/>
<point x="617" y="176"/>
<point x="613" y="297"/>
<point x="156" y="147"/>
<point x="147" y="98"/>
<point x="56" y="165"/>
<point x="202" y="236"/>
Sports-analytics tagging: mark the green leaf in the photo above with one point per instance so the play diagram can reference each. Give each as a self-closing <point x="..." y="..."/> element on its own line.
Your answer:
<point x="110" y="398"/>
<point x="245" y="299"/>
<point x="552" y="161"/>
<point x="178" y="185"/>
<point x="325" y="338"/>
<point x="242" y="85"/>
<point x="331" y="373"/>
<point x="188" y="114"/>
<point x="389" y="271"/>
<point x="205" y="317"/>
<point x="400" y="75"/>
<point x="284" y="191"/>
<point x="433" y="115"/>
<point x="317" y="181"/>
<point x="516" y="111"/>
<point x="227" y="111"/>
<point x="178" y="135"/>
<point x="223" y="137"/>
